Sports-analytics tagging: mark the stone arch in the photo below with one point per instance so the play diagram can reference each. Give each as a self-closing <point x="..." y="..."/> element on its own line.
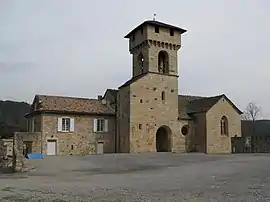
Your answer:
<point x="163" y="62"/>
<point x="140" y="59"/>
<point x="163" y="139"/>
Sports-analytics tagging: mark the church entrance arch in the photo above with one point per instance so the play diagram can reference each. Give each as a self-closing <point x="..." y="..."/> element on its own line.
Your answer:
<point x="163" y="139"/>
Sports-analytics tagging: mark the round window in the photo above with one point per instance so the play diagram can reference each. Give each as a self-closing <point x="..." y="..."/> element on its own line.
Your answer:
<point x="185" y="130"/>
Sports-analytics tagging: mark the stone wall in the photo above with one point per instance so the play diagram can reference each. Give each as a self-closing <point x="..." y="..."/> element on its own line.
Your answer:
<point x="123" y="120"/>
<point x="18" y="146"/>
<point x="8" y="143"/>
<point x="217" y="143"/>
<point x="148" y="112"/>
<point x="3" y="149"/>
<point x="200" y="132"/>
<point x="83" y="141"/>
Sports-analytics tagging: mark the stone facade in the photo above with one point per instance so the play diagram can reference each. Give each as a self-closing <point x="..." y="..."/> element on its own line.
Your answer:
<point x="216" y="142"/>
<point x="83" y="141"/>
<point x="145" y="114"/>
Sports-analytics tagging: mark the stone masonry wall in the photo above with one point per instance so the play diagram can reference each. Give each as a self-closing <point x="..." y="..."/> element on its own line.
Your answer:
<point x="3" y="149"/>
<point x="149" y="112"/>
<point x="8" y="143"/>
<point x="217" y="143"/>
<point x="123" y="120"/>
<point x="200" y="132"/>
<point x="83" y="141"/>
<point x="18" y="142"/>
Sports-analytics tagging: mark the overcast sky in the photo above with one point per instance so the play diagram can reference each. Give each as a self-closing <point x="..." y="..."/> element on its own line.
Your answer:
<point x="76" y="48"/>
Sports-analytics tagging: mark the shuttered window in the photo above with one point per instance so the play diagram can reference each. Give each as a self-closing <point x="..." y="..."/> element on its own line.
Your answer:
<point x="65" y="124"/>
<point x="100" y="125"/>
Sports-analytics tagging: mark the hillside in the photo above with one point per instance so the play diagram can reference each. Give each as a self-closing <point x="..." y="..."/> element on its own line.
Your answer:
<point x="12" y="117"/>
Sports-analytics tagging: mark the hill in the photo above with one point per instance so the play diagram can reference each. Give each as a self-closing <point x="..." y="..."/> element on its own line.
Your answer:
<point x="12" y="117"/>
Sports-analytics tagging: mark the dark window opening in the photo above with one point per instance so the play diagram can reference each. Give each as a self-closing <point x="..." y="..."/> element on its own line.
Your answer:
<point x="171" y="32"/>
<point x="141" y="62"/>
<point x="157" y="29"/>
<point x="71" y="147"/>
<point x="163" y="96"/>
<point x="185" y="130"/>
<point x="141" y="100"/>
<point x="140" y="126"/>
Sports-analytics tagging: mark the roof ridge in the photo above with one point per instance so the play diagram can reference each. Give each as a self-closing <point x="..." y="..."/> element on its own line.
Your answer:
<point x="69" y="97"/>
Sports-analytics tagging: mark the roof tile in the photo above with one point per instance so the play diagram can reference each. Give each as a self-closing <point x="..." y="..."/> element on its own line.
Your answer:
<point x="72" y="104"/>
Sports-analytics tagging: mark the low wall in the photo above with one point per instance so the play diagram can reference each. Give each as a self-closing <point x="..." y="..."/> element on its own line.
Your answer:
<point x="18" y="147"/>
<point x="8" y="143"/>
<point x="3" y="149"/>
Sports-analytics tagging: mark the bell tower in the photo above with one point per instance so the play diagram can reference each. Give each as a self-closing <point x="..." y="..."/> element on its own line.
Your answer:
<point x="154" y="46"/>
<point x="147" y="112"/>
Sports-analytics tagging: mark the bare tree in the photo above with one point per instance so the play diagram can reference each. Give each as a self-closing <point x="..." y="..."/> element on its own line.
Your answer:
<point x="252" y="112"/>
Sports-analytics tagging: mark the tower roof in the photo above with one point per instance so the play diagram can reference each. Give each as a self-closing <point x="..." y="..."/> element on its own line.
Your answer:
<point x="156" y="23"/>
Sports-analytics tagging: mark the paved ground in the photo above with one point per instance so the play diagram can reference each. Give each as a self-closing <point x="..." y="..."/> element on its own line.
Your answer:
<point x="142" y="177"/>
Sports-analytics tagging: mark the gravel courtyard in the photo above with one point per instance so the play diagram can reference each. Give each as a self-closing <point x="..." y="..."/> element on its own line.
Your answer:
<point x="142" y="177"/>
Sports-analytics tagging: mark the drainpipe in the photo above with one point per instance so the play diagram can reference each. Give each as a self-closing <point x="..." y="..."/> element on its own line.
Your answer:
<point x="41" y="132"/>
<point x="116" y="124"/>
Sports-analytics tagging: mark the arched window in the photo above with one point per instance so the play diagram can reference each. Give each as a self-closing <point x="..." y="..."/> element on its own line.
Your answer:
<point x="163" y="62"/>
<point x="163" y="96"/>
<point x="224" y="128"/>
<point x="141" y="62"/>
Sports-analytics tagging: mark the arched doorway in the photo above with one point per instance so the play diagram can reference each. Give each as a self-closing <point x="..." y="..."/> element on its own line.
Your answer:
<point x="163" y="139"/>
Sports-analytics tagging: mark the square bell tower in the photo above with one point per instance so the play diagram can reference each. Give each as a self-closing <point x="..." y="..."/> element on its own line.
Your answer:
<point x="154" y="46"/>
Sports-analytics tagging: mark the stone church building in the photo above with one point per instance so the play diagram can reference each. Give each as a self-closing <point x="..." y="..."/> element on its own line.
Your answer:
<point x="145" y="114"/>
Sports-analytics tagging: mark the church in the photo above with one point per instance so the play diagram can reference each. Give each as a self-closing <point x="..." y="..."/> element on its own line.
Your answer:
<point x="145" y="114"/>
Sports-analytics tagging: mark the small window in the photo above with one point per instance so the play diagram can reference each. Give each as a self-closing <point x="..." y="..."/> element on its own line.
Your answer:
<point x="141" y="101"/>
<point x="65" y="124"/>
<point x="163" y="96"/>
<point x="140" y="126"/>
<point x="171" y="32"/>
<point x="100" y="125"/>
<point x="157" y="29"/>
<point x="71" y="147"/>
<point x="224" y="129"/>
<point x="141" y="62"/>
<point x="185" y="130"/>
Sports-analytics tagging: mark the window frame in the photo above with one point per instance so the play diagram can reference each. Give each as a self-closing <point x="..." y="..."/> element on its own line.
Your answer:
<point x="101" y="125"/>
<point x="65" y="121"/>
<point x="224" y="126"/>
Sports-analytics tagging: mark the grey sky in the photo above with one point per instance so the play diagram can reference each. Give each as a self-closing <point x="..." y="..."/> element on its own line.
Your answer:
<point x="77" y="48"/>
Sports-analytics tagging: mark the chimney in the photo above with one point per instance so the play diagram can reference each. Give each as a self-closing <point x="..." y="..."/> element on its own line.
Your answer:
<point x="99" y="97"/>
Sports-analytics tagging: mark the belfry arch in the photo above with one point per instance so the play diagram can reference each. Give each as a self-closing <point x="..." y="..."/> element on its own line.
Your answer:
<point x="163" y="62"/>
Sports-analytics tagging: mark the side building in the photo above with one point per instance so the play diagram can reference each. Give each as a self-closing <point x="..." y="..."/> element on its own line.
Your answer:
<point x="72" y="126"/>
